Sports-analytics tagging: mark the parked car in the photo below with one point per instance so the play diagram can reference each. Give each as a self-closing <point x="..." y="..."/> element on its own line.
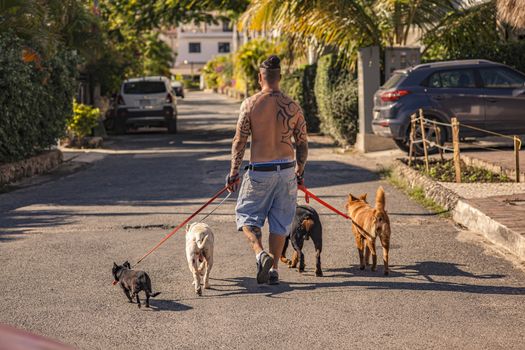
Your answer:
<point x="146" y="101"/>
<point x="178" y="88"/>
<point x="479" y="93"/>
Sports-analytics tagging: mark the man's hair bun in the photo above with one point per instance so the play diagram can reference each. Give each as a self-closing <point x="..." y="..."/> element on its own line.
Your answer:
<point x="272" y="62"/>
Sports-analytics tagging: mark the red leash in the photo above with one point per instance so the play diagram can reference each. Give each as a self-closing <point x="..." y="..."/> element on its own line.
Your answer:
<point x="308" y="194"/>
<point x="182" y="224"/>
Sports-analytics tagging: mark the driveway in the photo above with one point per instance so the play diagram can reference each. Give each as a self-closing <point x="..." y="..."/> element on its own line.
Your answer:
<point x="58" y="241"/>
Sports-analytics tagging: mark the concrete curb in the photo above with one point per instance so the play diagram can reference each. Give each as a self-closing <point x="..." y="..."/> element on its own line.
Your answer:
<point x="29" y="167"/>
<point x="475" y="220"/>
<point x="463" y="212"/>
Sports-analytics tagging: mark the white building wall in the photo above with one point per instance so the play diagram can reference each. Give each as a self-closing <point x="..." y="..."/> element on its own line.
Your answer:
<point x="208" y="36"/>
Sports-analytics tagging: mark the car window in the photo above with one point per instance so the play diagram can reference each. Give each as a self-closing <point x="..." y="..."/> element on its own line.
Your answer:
<point x="394" y="80"/>
<point x="501" y="78"/>
<point x="434" y="81"/>
<point x="460" y="78"/>
<point x="145" y="87"/>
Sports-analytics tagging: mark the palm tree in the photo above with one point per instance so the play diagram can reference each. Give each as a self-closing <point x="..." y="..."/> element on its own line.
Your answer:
<point x="512" y="12"/>
<point x="352" y="24"/>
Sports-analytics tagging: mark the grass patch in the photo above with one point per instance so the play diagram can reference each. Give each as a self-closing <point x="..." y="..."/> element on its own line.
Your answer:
<point x="415" y="193"/>
<point x="444" y="171"/>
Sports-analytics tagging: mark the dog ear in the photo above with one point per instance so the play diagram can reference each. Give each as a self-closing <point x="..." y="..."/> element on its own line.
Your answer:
<point x="363" y="197"/>
<point x="351" y="197"/>
<point x="114" y="264"/>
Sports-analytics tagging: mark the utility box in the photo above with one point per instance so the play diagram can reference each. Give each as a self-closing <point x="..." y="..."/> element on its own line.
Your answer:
<point x="399" y="58"/>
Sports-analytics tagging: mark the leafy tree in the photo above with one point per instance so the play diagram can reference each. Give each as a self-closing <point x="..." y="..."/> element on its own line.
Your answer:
<point x="249" y="57"/>
<point x="351" y="24"/>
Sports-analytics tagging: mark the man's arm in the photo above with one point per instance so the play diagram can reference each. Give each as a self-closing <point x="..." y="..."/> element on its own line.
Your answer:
<point x="240" y="139"/>
<point x="301" y="144"/>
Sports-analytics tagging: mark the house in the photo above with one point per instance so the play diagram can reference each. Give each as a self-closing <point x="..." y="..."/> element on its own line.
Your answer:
<point x="196" y="44"/>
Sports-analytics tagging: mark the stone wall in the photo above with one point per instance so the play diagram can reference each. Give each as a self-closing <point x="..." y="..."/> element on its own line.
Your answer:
<point x="28" y="167"/>
<point x="433" y="190"/>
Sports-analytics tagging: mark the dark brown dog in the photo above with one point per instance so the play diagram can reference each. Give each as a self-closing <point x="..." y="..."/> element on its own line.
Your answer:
<point x="133" y="281"/>
<point x="306" y="225"/>
<point x="367" y="224"/>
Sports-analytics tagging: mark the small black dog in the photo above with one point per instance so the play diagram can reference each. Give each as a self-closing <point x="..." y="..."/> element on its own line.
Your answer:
<point x="306" y="224"/>
<point x="133" y="281"/>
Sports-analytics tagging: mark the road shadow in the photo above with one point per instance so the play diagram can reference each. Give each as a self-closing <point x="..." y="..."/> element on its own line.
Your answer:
<point x="353" y="277"/>
<point x="167" y="305"/>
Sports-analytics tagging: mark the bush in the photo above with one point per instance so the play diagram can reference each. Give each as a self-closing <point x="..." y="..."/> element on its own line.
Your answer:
<point x="218" y="72"/>
<point x="299" y="85"/>
<point x="336" y="94"/>
<point x="84" y="119"/>
<point x="35" y="99"/>
<point x="248" y="59"/>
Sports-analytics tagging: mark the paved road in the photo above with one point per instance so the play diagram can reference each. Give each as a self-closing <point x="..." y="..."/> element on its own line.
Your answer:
<point x="59" y="239"/>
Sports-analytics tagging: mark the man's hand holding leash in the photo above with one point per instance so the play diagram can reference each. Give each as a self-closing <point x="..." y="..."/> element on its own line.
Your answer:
<point x="232" y="182"/>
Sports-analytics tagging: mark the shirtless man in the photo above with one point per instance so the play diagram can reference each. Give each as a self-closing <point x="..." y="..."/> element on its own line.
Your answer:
<point x="269" y="187"/>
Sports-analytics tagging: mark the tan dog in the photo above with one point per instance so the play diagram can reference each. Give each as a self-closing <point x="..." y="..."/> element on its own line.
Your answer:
<point x="367" y="224"/>
<point x="199" y="252"/>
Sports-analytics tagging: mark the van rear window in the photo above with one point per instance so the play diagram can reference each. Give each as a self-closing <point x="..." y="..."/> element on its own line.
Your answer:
<point x="144" y="87"/>
<point x="394" y="80"/>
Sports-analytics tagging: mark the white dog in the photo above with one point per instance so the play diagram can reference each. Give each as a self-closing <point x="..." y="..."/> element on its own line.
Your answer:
<point x="199" y="252"/>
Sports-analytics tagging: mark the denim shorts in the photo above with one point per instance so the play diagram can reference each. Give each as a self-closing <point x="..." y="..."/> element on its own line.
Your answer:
<point x="267" y="194"/>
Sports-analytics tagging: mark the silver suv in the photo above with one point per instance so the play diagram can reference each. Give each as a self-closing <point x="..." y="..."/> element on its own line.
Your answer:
<point x="146" y="101"/>
<point x="480" y="93"/>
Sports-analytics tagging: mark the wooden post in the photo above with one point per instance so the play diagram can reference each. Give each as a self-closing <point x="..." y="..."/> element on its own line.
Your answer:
<point x="455" y="141"/>
<point x="423" y="137"/>
<point x="517" y="147"/>
<point x="437" y="132"/>
<point x="412" y="136"/>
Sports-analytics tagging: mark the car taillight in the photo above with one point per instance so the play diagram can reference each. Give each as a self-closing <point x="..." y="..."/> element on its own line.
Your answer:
<point x="120" y="100"/>
<point x="169" y="99"/>
<point x="392" y="96"/>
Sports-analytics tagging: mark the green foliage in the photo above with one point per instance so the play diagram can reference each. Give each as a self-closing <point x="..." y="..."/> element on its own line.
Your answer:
<point x="474" y="35"/>
<point x="145" y="15"/>
<point x="348" y="25"/>
<point x="35" y="100"/>
<point x="300" y="86"/>
<point x="158" y="56"/>
<point x="445" y="171"/>
<point x="336" y="95"/>
<point x="218" y="72"/>
<point x="84" y="119"/>
<point x="248" y="59"/>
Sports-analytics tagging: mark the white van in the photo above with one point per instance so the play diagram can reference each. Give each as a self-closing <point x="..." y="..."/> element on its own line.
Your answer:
<point x="146" y="101"/>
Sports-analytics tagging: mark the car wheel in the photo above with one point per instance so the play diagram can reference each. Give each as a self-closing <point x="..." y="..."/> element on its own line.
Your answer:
<point x="430" y="134"/>
<point x="172" y="126"/>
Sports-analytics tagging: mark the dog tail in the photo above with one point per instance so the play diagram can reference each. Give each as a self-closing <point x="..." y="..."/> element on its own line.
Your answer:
<point x="202" y="243"/>
<point x="153" y="295"/>
<point x="380" y="199"/>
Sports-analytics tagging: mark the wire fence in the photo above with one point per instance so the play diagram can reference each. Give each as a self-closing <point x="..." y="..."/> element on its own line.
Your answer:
<point x="426" y="125"/>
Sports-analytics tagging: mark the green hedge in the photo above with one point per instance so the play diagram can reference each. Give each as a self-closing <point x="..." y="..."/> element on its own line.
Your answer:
<point x="299" y="85"/>
<point x="336" y="94"/>
<point x="35" y="99"/>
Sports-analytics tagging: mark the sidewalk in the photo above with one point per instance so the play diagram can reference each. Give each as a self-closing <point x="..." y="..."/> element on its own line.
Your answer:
<point x="495" y="210"/>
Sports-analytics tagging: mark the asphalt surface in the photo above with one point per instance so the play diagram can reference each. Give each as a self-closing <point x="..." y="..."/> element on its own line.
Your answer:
<point x="59" y="238"/>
